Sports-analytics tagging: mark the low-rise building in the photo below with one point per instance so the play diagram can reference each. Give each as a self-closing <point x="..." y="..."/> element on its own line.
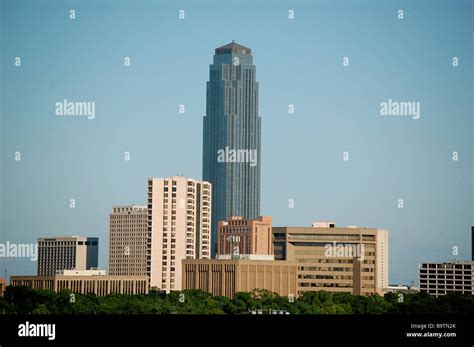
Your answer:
<point x="85" y="283"/>
<point x="401" y="288"/>
<point x="225" y="277"/>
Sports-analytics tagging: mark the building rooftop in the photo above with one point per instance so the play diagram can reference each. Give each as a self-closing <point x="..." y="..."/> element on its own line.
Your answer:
<point x="91" y="272"/>
<point x="245" y="257"/>
<point x="454" y="261"/>
<point x="233" y="48"/>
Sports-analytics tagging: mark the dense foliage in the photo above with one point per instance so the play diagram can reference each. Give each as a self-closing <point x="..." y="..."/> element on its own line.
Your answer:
<point x="22" y="300"/>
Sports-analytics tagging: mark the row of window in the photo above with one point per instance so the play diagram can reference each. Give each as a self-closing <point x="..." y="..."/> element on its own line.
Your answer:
<point x="70" y="244"/>
<point x="446" y="266"/>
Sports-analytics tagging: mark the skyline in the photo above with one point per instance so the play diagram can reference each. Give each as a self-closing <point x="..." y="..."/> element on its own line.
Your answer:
<point x="130" y="118"/>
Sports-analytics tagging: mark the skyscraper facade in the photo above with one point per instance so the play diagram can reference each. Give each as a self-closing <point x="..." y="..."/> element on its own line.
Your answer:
<point x="231" y="138"/>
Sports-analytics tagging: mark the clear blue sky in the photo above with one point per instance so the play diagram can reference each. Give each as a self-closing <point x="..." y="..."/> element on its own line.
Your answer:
<point x="298" y="62"/>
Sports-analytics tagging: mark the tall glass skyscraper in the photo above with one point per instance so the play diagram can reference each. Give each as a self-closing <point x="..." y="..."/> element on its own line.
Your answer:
<point x="232" y="129"/>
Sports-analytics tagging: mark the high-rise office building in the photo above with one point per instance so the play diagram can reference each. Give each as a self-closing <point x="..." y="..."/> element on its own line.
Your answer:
<point x="231" y="139"/>
<point x="128" y="240"/>
<point x="449" y="277"/>
<point x="179" y="227"/>
<point x="472" y="243"/>
<point x="67" y="253"/>
<point x="351" y="259"/>
<point x="245" y="236"/>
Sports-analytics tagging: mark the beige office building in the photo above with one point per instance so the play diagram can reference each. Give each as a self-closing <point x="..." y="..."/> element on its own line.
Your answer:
<point x="227" y="277"/>
<point x="351" y="259"/>
<point x="449" y="277"/>
<point x="245" y="236"/>
<point x="67" y="253"/>
<point x="85" y="283"/>
<point x="179" y="227"/>
<point x="128" y="241"/>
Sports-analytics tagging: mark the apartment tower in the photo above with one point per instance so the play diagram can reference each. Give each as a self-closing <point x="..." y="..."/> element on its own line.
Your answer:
<point x="179" y="227"/>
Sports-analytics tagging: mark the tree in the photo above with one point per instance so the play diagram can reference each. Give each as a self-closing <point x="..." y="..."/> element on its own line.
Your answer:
<point x="24" y="300"/>
<point x="41" y="309"/>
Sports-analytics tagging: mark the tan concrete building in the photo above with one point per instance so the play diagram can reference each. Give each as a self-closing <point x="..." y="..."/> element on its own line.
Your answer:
<point x="227" y="277"/>
<point x="245" y="236"/>
<point x="98" y="284"/>
<point x="67" y="253"/>
<point x="179" y="227"/>
<point x="128" y="241"/>
<point x="3" y="284"/>
<point x="351" y="259"/>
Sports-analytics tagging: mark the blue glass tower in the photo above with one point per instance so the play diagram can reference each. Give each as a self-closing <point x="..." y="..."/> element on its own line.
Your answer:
<point x="232" y="129"/>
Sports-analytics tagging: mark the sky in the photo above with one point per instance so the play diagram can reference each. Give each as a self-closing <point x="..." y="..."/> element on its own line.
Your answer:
<point x="299" y="61"/>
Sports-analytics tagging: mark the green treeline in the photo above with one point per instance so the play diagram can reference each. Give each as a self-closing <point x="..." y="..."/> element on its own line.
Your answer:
<point x="23" y="300"/>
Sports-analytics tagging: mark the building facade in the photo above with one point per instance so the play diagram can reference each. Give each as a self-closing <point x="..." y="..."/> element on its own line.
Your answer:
<point x="352" y="259"/>
<point x="227" y="277"/>
<point x="100" y="285"/>
<point x="3" y="284"/>
<point x="443" y="278"/>
<point x="245" y="236"/>
<point x="67" y="253"/>
<point x="179" y="227"/>
<point x="128" y="240"/>
<point x="231" y="141"/>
